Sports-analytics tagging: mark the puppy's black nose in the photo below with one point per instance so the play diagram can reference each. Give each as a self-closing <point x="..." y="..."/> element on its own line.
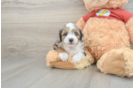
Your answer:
<point x="71" y="40"/>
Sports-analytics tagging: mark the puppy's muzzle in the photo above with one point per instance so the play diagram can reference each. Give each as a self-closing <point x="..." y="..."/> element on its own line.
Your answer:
<point x="71" y="40"/>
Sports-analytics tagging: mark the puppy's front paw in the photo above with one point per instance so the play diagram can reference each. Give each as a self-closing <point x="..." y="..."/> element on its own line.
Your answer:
<point x="77" y="58"/>
<point x="63" y="56"/>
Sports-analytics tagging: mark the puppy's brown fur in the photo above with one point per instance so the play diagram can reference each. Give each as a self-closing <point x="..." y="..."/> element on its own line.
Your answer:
<point x="77" y="31"/>
<point x="65" y="30"/>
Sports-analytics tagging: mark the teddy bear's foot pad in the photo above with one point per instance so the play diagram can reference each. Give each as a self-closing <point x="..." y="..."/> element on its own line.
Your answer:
<point x="118" y="62"/>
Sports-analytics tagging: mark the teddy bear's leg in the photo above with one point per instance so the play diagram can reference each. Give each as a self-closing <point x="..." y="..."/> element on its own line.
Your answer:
<point x="118" y="62"/>
<point x="62" y="65"/>
<point x="53" y="60"/>
<point x="52" y="56"/>
<point x="86" y="61"/>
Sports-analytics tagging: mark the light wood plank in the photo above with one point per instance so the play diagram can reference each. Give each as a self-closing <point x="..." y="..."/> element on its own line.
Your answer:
<point x="35" y="74"/>
<point x="50" y="11"/>
<point x="26" y="39"/>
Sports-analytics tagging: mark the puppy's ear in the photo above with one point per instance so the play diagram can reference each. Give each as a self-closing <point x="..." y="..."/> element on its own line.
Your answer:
<point x="58" y="41"/>
<point x="81" y="34"/>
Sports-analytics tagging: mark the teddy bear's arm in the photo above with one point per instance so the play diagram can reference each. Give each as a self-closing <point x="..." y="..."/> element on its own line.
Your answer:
<point x="127" y="17"/>
<point x="129" y="26"/>
<point x="81" y="23"/>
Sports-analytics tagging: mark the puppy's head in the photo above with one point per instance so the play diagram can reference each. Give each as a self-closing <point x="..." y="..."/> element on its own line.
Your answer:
<point x="70" y="35"/>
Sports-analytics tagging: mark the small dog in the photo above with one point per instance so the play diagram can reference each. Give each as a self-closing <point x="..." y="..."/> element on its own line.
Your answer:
<point x="70" y="41"/>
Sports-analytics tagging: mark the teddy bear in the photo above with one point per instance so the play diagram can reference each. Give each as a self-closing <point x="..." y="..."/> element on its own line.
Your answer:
<point x="108" y="35"/>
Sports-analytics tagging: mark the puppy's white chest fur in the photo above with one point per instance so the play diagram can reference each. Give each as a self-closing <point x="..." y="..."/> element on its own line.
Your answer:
<point x="74" y="50"/>
<point x="77" y="52"/>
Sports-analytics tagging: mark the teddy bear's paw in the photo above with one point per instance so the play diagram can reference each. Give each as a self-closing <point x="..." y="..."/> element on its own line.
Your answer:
<point x="63" y="56"/>
<point x="118" y="62"/>
<point x="77" y="58"/>
<point x="52" y="56"/>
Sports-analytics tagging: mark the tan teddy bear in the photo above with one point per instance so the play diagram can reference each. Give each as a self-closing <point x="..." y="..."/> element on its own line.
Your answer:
<point x="108" y="34"/>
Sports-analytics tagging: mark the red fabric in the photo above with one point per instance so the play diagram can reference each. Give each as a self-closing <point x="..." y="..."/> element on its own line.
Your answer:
<point x="118" y="14"/>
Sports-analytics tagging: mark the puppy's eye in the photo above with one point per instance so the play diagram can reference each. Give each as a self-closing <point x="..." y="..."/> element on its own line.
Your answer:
<point x="76" y="33"/>
<point x="65" y="34"/>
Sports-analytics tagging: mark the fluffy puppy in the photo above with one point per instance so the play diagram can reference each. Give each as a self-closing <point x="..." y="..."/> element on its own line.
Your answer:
<point x="70" y="41"/>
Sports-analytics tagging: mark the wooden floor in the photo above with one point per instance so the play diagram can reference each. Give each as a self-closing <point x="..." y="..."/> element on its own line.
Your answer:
<point x="29" y="29"/>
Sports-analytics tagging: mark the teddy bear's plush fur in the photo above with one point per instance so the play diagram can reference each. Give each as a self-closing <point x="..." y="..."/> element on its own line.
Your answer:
<point x="107" y="42"/>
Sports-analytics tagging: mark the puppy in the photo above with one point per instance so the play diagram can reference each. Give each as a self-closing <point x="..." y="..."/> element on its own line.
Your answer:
<point x="70" y="41"/>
